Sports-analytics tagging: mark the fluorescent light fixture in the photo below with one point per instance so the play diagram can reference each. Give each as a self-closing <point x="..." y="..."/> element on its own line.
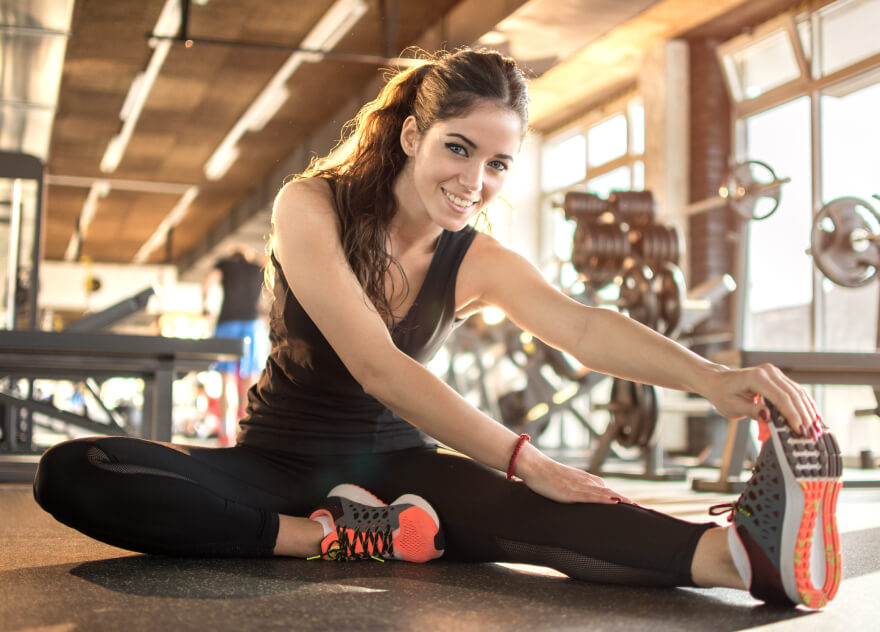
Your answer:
<point x="338" y="21"/>
<point x="167" y="25"/>
<point x="171" y="220"/>
<point x="493" y="38"/>
<point x="99" y="189"/>
<point x="113" y="154"/>
<point x="131" y="99"/>
<point x="220" y="161"/>
<point x="265" y="107"/>
<point x="72" y="245"/>
<point x="333" y="26"/>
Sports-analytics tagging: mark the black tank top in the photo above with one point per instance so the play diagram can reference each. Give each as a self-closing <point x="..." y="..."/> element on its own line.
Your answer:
<point x="306" y="401"/>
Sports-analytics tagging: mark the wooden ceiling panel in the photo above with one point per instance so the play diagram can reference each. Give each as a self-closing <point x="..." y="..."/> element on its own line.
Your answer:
<point x="145" y="212"/>
<point x="123" y="222"/>
<point x="176" y="95"/>
<point x="200" y="93"/>
<point x="113" y="30"/>
<point x="63" y="208"/>
<point x="285" y="23"/>
<point x="105" y="51"/>
<point x="147" y="151"/>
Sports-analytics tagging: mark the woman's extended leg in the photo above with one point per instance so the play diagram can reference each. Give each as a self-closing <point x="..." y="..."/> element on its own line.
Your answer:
<point x="488" y="518"/>
<point x="712" y="564"/>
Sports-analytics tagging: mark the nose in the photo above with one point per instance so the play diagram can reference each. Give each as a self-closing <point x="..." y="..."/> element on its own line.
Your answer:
<point x="471" y="177"/>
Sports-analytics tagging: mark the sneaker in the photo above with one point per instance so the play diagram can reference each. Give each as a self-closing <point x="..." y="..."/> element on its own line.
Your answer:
<point x="784" y="539"/>
<point x="364" y="527"/>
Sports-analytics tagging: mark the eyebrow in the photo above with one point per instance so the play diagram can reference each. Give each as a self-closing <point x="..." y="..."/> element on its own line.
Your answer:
<point x="474" y="145"/>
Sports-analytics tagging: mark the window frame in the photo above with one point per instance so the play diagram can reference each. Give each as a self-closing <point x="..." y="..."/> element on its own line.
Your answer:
<point x="807" y="84"/>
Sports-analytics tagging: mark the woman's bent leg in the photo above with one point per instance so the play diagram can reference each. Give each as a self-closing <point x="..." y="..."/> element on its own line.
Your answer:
<point x="158" y="498"/>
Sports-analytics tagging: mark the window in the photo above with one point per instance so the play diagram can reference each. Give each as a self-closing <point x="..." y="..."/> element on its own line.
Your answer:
<point x="564" y="162"/>
<point x="607" y="140"/>
<point x="767" y="64"/>
<point x="789" y="304"/>
<point x="848" y="32"/>
<point x="849" y="168"/>
<point x="782" y="310"/>
<point x="780" y="273"/>
<point x="619" y="179"/>
<point x="602" y="153"/>
<point x="770" y="59"/>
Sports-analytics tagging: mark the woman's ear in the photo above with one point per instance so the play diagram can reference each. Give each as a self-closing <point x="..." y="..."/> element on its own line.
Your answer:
<point x="409" y="136"/>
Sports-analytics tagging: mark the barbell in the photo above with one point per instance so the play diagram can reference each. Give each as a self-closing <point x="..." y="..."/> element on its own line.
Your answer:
<point x="744" y="186"/>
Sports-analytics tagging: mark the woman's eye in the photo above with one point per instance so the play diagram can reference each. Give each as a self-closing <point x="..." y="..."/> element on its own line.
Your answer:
<point x="456" y="149"/>
<point x="498" y="165"/>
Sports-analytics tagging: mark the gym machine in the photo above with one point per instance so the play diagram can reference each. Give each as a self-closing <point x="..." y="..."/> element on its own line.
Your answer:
<point x="617" y="243"/>
<point x="83" y="353"/>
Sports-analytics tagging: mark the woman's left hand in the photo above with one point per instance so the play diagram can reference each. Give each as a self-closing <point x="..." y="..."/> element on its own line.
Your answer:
<point x="738" y="393"/>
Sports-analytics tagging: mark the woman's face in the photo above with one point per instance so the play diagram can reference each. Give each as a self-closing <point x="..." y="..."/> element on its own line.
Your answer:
<point x="459" y="165"/>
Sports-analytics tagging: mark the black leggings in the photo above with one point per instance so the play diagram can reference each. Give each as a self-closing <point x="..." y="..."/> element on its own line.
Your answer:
<point x="169" y="499"/>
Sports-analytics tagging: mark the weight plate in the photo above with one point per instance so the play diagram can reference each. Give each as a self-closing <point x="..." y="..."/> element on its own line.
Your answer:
<point x="750" y="190"/>
<point x="633" y="412"/>
<point x="843" y="241"/>
<point x="637" y="295"/>
<point x="671" y="292"/>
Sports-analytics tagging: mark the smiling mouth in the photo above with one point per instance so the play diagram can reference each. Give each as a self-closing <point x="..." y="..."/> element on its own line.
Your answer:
<point x="460" y="202"/>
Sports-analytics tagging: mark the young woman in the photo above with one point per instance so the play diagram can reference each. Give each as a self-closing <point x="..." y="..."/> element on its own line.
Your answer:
<point x="373" y="263"/>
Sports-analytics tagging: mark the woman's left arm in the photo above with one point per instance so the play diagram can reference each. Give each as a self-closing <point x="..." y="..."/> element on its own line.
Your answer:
<point x="606" y="341"/>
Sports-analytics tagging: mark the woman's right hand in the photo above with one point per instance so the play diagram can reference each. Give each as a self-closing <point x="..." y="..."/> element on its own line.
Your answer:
<point x="563" y="483"/>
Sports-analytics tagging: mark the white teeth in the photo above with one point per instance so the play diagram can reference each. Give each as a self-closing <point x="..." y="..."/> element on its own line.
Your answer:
<point x="458" y="201"/>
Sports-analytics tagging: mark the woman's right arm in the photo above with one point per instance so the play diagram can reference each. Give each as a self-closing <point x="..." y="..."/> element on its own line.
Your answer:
<point x="308" y="247"/>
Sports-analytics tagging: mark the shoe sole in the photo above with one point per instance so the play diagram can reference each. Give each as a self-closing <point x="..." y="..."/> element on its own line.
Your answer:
<point x="811" y="471"/>
<point x="356" y="494"/>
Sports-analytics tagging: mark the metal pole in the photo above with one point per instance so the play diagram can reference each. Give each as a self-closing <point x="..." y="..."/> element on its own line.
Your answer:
<point x="37" y="254"/>
<point x="14" y="243"/>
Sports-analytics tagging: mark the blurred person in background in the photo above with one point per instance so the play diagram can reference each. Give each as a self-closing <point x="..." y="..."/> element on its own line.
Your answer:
<point x="239" y="276"/>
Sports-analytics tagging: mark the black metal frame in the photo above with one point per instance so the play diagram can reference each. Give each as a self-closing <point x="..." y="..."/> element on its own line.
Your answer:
<point x="83" y="356"/>
<point x="805" y="367"/>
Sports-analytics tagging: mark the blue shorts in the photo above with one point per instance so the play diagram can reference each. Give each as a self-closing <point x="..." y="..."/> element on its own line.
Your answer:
<point x="255" y="338"/>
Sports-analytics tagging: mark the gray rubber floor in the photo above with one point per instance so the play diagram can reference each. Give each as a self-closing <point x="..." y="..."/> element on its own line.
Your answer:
<point x="55" y="579"/>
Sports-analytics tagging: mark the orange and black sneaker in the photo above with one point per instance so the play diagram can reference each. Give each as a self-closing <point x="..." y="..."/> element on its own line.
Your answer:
<point x="363" y="527"/>
<point x="784" y="539"/>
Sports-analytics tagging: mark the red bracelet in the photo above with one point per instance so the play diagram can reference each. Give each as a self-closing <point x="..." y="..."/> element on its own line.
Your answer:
<point x="519" y="444"/>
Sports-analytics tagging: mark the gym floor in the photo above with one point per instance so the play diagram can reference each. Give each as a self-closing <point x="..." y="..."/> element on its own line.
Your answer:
<point x="54" y="578"/>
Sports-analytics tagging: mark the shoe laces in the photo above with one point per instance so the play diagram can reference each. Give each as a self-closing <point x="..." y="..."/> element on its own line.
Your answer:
<point x="374" y="542"/>
<point x="730" y="509"/>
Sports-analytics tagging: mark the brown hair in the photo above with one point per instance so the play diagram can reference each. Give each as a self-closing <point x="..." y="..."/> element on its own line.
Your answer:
<point x="369" y="157"/>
